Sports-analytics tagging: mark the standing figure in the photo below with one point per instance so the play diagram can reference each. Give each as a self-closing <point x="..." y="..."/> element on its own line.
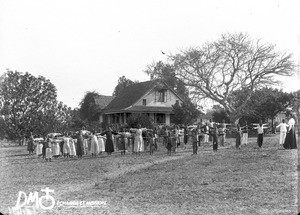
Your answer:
<point x="94" y="149"/>
<point x="168" y="141"/>
<point x="48" y="147"/>
<point x="101" y="144"/>
<point x="30" y="145"/>
<point x="238" y="136"/>
<point x="283" y="129"/>
<point x="109" y="144"/>
<point x="206" y="132"/>
<point x="39" y="148"/>
<point x="152" y="143"/>
<point x="56" y="148"/>
<point x="138" y="140"/>
<point x="79" y="146"/>
<point x="214" y="133"/>
<point x="181" y="137"/>
<point x="72" y="147"/>
<point x="194" y="137"/>
<point x="260" y="133"/>
<point x="122" y="141"/>
<point x="222" y="133"/>
<point x="66" y="147"/>
<point x="290" y="140"/>
<point x="199" y="135"/>
<point x="185" y="133"/>
<point x="245" y="129"/>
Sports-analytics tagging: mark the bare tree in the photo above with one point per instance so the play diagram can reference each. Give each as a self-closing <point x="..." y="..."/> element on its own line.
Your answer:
<point x="234" y="63"/>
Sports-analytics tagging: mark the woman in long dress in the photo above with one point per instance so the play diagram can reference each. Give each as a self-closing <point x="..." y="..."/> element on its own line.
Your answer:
<point x="72" y="147"/>
<point x="39" y="148"/>
<point x="48" y="147"/>
<point x="290" y="139"/>
<point x="101" y="143"/>
<point x="66" y="147"/>
<point x="94" y="149"/>
<point x="109" y="145"/>
<point x="80" y="147"/>
<point x="138" y="140"/>
<point x="30" y="145"/>
<point x="56" y="148"/>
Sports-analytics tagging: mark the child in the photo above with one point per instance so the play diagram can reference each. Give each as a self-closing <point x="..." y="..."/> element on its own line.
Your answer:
<point x="245" y="130"/>
<point x="222" y="133"/>
<point x="48" y="150"/>
<point x="260" y="133"/>
<point x="122" y="139"/>
<point x="238" y="136"/>
<point x="194" y="141"/>
<point x="168" y="142"/>
<point x="214" y="134"/>
<point x="152" y="143"/>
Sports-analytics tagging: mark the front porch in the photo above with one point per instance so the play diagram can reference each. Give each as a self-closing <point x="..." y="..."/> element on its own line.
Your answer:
<point x="121" y="118"/>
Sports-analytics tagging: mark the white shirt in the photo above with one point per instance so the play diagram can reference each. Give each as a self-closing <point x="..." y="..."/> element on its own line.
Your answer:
<point x="291" y="123"/>
<point x="282" y="127"/>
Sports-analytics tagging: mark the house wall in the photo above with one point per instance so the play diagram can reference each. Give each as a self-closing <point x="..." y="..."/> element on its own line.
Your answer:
<point x="150" y="99"/>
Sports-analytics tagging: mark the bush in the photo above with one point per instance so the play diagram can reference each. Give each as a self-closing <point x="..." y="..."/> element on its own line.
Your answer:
<point x="142" y="119"/>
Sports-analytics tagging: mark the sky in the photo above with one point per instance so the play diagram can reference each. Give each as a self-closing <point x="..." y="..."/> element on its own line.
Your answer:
<point x="85" y="45"/>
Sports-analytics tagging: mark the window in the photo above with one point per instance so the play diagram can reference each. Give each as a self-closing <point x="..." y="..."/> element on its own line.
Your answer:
<point x="161" y="96"/>
<point x="144" y="102"/>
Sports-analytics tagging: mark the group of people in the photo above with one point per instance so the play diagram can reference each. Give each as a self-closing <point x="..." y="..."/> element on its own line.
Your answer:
<point x="92" y="143"/>
<point x="287" y="138"/>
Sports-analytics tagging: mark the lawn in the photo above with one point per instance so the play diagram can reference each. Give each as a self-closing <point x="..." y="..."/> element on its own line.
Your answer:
<point x="230" y="181"/>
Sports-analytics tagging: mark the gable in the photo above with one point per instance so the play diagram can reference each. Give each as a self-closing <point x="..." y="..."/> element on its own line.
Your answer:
<point x="134" y="94"/>
<point x="129" y="96"/>
<point x="158" y="97"/>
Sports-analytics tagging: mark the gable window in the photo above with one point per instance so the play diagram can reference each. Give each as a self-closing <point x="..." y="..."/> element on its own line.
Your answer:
<point x="144" y="102"/>
<point x="161" y="96"/>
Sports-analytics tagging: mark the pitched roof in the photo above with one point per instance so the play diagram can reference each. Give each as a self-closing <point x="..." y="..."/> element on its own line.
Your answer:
<point x="150" y="109"/>
<point x="130" y="95"/>
<point x="102" y="101"/>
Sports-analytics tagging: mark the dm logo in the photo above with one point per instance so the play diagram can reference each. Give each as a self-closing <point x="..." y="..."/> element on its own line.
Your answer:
<point x="28" y="204"/>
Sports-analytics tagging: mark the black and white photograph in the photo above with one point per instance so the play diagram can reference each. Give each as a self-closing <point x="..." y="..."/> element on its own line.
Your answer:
<point x="149" y="107"/>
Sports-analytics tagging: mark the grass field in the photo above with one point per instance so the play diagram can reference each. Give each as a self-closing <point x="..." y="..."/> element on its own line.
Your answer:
<point x="230" y="181"/>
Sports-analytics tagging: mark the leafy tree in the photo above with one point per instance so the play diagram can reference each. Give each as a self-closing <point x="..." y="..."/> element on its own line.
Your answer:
<point x="88" y="108"/>
<point x="265" y="103"/>
<point x="123" y="82"/>
<point x="219" y="114"/>
<point x="166" y="72"/>
<point x="235" y="62"/>
<point x="28" y="103"/>
<point x="185" y="113"/>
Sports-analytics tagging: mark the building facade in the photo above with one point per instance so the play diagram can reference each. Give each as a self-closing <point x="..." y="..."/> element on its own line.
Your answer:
<point x="153" y="98"/>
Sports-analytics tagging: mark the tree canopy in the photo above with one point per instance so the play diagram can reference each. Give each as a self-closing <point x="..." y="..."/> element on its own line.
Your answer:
<point x="235" y="62"/>
<point x="28" y="103"/>
<point x="123" y="82"/>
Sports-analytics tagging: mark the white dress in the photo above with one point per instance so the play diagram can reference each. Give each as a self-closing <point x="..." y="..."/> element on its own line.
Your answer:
<point x="66" y="147"/>
<point x="55" y="148"/>
<point x="39" y="149"/>
<point x="94" y="145"/>
<point x="85" y="146"/>
<point x="72" y="147"/>
<point x="101" y="143"/>
<point x="49" y="151"/>
<point x="138" y="141"/>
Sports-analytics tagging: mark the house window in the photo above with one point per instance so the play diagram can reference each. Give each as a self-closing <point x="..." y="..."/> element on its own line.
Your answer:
<point x="161" y="95"/>
<point x="144" y="102"/>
